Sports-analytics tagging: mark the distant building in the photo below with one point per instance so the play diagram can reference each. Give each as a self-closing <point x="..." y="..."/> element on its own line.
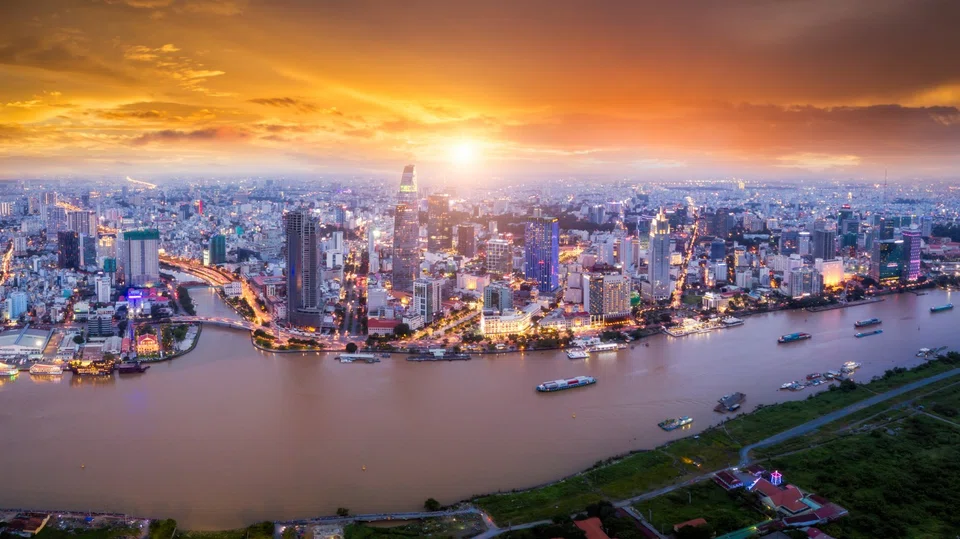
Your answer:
<point x="68" y="254"/>
<point x="304" y="308"/>
<point x="541" y="247"/>
<point x="911" y="255"/>
<point x="426" y="299"/>
<point x="886" y="261"/>
<point x="804" y="281"/>
<point x="606" y="296"/>
<point x="103" y="288"/>
<point x="233" y="289"/>
<point x="439" y="228"/>
<point x="147" y="345"/>
<point x="406" y="232"/>
<point x="101" y="325"/>
<point x="499" y="260"/>
<point x="140" y="254"/>
<point x="82" y="222"/>
<point x="16" y="304"/>
<point x="467" y="240"/>
<point x="498" y="297"/>
<point x="658" y="265"/>
<point x="825" y="239"/>
<point x="218" y="249"/>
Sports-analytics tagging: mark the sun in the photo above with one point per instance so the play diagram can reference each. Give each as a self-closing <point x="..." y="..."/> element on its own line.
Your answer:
<point x="463" y="153"/>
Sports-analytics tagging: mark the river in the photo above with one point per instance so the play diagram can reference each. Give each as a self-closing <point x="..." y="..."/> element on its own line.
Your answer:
<point x="227" y="435"/>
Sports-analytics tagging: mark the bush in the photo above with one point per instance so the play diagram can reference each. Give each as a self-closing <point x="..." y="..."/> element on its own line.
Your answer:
<point x="352" y="349"/>
<point x="343" y="512"/>
<point x="431" y="504"/>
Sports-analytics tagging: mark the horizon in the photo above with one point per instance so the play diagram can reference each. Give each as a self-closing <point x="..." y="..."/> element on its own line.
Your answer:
<point x="770" y="91"/>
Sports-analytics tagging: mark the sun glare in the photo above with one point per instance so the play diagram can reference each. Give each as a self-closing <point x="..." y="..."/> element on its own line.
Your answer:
<point x="463" y="153"/>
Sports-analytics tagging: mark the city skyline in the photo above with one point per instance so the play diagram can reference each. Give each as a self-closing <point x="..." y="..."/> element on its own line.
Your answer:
<point x="150" y="88"/>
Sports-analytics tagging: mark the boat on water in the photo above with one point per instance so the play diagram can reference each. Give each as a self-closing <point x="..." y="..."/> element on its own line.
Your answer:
<point x="585" y="342"/>
<point x="93" y="370"/>
<point x="867" y="322"/>
<point x="603" y="347"/>
<point x="863" y="334"/>
<point x="814" y="376"/>
<point x="446" y="356"/>
<point x="830" y="375"/>
<point x="45" y="369"/>
<point x="941" y="308"/>
<point x="8" y="370"/>
<point x="366" y="358"/>
<point x="793" y="337"/>
<point x="577" y="353"/>
<point x="731" y="321"/>
<point x="673" y="424"/>
<point x="566" y="383"/>
<point x="730" y="403"/>
<point x="850" y="366"/>
<point x="131" y="367"/>
<point x="787" y="385"/>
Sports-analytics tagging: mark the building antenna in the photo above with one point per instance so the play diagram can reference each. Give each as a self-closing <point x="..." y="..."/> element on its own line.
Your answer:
<point x="883" y="196"/>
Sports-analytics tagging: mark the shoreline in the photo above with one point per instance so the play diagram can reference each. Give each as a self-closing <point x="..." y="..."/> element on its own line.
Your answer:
<point x="857" y="303"/>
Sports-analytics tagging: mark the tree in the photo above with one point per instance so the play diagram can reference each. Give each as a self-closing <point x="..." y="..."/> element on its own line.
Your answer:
<point x="109" y="357"/>
<point x="432" y="505"/>
<point x="402" y="330"/>
<point x="352" y="349"/>
<point x="78" y="339"/>
<point x="343" y="512"/>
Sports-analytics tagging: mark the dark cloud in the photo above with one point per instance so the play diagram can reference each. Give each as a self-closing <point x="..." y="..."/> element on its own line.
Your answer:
<point x="31" y="51"/>
<point x="199" y="135"/>
<point x="286" y="102"/>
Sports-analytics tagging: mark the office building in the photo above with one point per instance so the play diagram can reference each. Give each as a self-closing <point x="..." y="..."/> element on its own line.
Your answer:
<point x="718" y="250"/>
<point x="498" y="297"/>
<point x="606" y="296"/>
<point x="218" y="249"/>
<point x="541" y="247"/>
<point x="824" y="239"/>
<point x="373" y="255"/>
<point x="406" y="232"/>
<point x="658" y="265"/>
<point x="102" y="283"/>
<point x="426" y="299"/>
<point x="140" y="255"/>
<point x="304" y="308"/>
<point x="439" y="228"/>
<point x="68" y="250"/>
<point x="88" y="250"/>
<point x="911" y="254"/>
<point x="804" y="281"/>
<point x="499" y="259"/>
<point x="886" y="261"/>
<point x="467" y="240"/>
<point x="16" y="305"/>
<point x="82" y="222"/>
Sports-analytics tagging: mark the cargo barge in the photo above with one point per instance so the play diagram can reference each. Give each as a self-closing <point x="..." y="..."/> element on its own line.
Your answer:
<point x="867" y="322"/>
<point x="730" y="403"/>
<point x="941" y="308"/>
<point x="673" y="424"/>
<point x="868" y="333"/>
<point x="793" y="337"/>
<point x="566" y="383"/>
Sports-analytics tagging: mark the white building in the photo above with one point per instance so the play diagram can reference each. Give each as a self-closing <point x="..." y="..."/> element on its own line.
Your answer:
<point x="658" y="271"/>
<point x="103" y="288"/>
<point x="426" y="299"/>
<point x="233" y="289"/>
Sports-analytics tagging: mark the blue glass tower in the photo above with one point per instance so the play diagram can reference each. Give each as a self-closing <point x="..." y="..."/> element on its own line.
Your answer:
<point x="541" y="249"/>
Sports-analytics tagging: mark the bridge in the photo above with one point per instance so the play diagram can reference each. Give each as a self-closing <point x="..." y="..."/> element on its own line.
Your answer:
<point x="221" y="322"/>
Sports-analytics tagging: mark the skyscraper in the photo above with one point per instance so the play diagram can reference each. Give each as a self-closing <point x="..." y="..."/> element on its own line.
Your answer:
<point x="658" y="265"/>
<point x="373" y="256"/>
<point x="406" y="230"/>
<point x="911" y="254"/>
<point x="886" y="261"/>
<point x="140" y="255"/>
<point x="88" y="250"/>
<point x="82" y="222"/>
<point x="606" y="296"/>
<point x="467" y="240"/>
<point x="426" y="298"/>
<point x="498" y="296"/>
<point x="825" y="239"/>
<point x="439" y="234"/>
<point x="218" y="249"/>
<point x="499" y="257"/>
<point x="541" y="248"/>
<point x="303" y="269"/>
<point x="68" y="254"/>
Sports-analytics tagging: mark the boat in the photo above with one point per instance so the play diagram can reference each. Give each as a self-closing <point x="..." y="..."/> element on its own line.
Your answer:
<point x="830" y="375"/>
<point x="603" y="347"/>
<point x="131" y="367"/>
<point x="577" y="353"/>
<point x="867" y="322"/>
<point x="793" y="337"/>
<point x="446" y="356"/>
<point x="814" y="376"/>
<point x="585" y="342"/>
<point x="731" y="321"/>
<point x="730" y="403"/>
<point x="868" y="333"/>
<point x="941" y="308"/>
<point x="850" y="366"/>
<point x="787" y="385"/>
<point x="924" y="352"/>
<point x="93" y="370"/>
<point x="566" y="383"/>
<point x="672" y="424"/>
<point x="8" y="370"/>
<point x="350" y="358"/>
<point x="48" y="369"/>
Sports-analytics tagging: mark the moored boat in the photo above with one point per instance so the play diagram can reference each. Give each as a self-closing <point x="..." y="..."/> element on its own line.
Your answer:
<point x="867" y="322"/>
<point x="46" y="369"/>
<point x="566" y="383"/>
<point x="131" y="367"/>
<point x="941" y="308"/>
<point x="730" y="403"/>
<point x="793" y="337"/>
<point x="602" y="347"/>
<point x="8" y="370"/>
<point x="350" y="358"/>
<point x="448" y="356"/>
<point x="814" y="376"/>
<point x="850" y="366"/>
<point x="673" y="424"/>
<point x="868" y="333"/>
<point x="731" y="321"/>
<point x="577" y="353"/>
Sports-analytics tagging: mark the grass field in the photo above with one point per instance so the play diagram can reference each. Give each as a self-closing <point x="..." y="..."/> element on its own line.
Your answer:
<point x="441" y="528"/>
<point x="724" y="512"/>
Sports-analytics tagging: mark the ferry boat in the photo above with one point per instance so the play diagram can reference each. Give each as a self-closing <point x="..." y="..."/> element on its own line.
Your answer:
<point x="8" y="370"/>
<point x="93" y="370"/>
<point x="863" y="334"/>
<point x="793" y="337"/>
<point x="577" y="353"/>
<point x="131" y="367"/>
<point x="867" y="322"/>
<point x="850" y="366"/>
<point x="585" y="342"/>
<point x="350" y="358"/>
<point x="941" y="308"/>
<point x="787" y="385"/>
<point x="444" y="356"/>
<point x="672" y="424"/>
<point x="814" y="376"/>
<point x="603" y="347"/>
<point x="730" y="403"/>
<point x="830" y="375"/>
<point x="566" y="383"/>
<point x="47" y="369"/>
<point x="731" y="321"/>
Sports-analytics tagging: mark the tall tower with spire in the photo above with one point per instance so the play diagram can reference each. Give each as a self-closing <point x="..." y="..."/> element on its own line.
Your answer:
<point x="406" y="230"/>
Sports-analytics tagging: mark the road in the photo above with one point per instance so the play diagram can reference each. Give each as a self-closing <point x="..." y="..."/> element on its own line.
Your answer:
<point x="843" y="412"/>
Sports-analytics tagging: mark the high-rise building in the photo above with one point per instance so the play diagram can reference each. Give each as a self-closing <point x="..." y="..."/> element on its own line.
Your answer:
<point x="886" y="261"/>
<point x="16" y="305"/>
<point x="597" y="214"/>
<point x="606" y="296"/>
<point x="911" y="254"/>
<point x="718" y="250"/>
<point x="406" y="232"/>
<point x="498" y="296"/>
<point x="825" y="239"/>
<point x="103" y="288"/>
<point x="658" y="266"/>
<point x="804" y="281"/>
<point x="467" y="240"/>
<point x="804" y="243"/>
<point x="88" y="250"/>
<point x="304" y="307"/>
<point x="218" y="249"/>
<point x="373" y="255"/>
<point x="340" y="215"/>
<point x="499" y="260"/>
<point x="82" y="222"/>
<point x="541" y="247"/>
<point x="68" y="254"/>
<point x="426" y="298"/>
<point x="140" y="256"/>
<point x="439" y="230"/>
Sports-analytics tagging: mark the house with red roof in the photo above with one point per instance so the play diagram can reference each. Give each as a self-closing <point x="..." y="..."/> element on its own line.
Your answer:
<point x="786" y="500"/>
<point x="592" y="527"/>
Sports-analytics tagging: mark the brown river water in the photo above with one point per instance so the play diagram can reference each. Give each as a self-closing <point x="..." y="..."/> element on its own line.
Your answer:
<point x="227" y="435"/>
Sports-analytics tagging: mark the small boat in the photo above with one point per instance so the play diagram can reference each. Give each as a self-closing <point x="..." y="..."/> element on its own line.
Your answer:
<point x="8" y="370"/>
<point x="45" y="369"/>
<point x="941" y="308"/>
<point x="924" y="352"/>
<point x="868" y="333"/>
<point x="787" y="385"/>
<point x="673" y="424"/>
<point x="603" y="347"/>
<point x="577" y="353"/>
<point x="731" y="321"/>
<point x="867" y="322"/>
<point x="793" y="337"/>
<point x="131" y="367"/>
<point x="850" y="366"/>
<point x="830" y="375"/>
<point x="730" y="403"/>
<point x="814" y="376"/>
<point x="350" y="358"/>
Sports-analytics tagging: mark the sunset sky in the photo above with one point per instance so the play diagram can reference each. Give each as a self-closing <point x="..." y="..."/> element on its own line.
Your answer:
<point x="761" y="88"/>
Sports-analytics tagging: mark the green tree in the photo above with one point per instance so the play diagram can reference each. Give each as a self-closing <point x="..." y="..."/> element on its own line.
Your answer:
<point x="402" y="330"/>
<point x="432" y="505"/>
<point x="343" y="512"/>
<point x="351" y="348"/>
<point x="78" y="339"/>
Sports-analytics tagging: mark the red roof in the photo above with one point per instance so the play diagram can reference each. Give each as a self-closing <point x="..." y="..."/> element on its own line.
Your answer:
<point x="592" y="527"/>
<point x="695" y="522"/>
<point x="788" y="498"/>
<point x="814" y="533"/>
<point x="830" y="511"/>
<point x="727" y="480"/>
<point x="383" y="323"/>
<point x="754" y="469"/>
